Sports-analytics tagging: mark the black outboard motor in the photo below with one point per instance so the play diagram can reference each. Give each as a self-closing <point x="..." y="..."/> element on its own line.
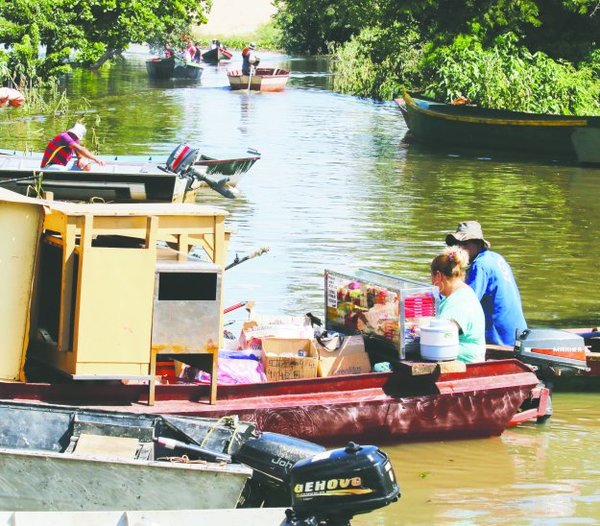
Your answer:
<point x="272" y="457"/>
<point x="332" y="487"/>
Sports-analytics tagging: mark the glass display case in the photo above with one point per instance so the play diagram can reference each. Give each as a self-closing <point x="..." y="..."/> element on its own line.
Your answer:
<point x="387" y="310"/>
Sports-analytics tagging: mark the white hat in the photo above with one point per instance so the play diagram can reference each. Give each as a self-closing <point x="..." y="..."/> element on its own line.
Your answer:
<point x="79" y="130"/>
<point x="252" y="45"/>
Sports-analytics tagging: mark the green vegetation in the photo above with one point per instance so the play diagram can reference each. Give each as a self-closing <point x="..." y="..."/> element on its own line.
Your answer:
<point x="531" y="55"/>
<point x="43" y="38"/>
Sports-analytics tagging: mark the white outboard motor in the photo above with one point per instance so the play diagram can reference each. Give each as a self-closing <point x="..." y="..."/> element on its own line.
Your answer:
<point x="552" y="352"/>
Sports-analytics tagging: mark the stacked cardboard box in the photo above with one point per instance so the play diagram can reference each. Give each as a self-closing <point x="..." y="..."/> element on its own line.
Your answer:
<point x="349" y="358"/>
<point x="289" y="358"/>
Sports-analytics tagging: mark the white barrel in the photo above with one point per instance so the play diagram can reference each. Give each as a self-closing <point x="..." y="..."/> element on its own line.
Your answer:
<point x="439" y="340"/>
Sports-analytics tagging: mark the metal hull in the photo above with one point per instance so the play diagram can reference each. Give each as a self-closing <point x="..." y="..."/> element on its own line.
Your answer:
<point x="113" y="182"/>
<point x="265" y="79"/>
<point x="45" y="466"/>
<point x="331" y="410"/>
<point x="560" y="137"/>
<point x="140" y="176"/>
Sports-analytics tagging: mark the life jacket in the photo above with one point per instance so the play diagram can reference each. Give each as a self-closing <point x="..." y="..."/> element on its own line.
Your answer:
<point x="57" y="152"/>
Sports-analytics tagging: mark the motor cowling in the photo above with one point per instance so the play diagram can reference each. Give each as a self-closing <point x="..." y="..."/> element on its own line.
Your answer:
<point x="272" y="457"/>
<point x="552" y="352"/>
<point x="182" y="158"/>
<point x="335" y="485"/>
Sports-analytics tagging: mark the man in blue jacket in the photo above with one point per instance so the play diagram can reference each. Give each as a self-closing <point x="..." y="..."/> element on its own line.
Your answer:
<point x="491" y="277"/>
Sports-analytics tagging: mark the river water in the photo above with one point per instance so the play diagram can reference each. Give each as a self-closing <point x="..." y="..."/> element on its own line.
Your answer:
<point x="339" y="188"/>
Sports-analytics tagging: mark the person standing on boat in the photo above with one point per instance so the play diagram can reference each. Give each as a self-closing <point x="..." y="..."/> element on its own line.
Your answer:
<point x="249" y="58"/>
<point x="459" y="303"/>
<point x="492" y="279"/>
<point x="59" y="153"/>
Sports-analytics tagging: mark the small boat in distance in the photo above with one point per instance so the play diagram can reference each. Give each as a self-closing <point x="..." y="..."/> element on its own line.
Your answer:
<point x="558" y="136"/>
<point x="172" y="68"/>
<point x="216" y="55"/>
<point x="262" y="79"/>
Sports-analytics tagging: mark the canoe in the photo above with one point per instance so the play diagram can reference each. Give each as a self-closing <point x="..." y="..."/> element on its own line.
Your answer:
<point x="172" y="68"/>
<point x="557" y="136"/>
<point x="263" y="79"/>
<point x="480" y="401"/>
<point x="216" y="55"/>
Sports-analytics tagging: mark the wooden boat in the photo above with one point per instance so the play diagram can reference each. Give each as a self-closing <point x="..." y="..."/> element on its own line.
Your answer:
<point x="557" y="136"/>
<point x="172" y="68"/>
<point x="216" y="55"/>
<point x="400" y="406"/>
<point x="160" y="68"/>
<point x="56" y="258"/>
<point x="262" y="79"/>
<point x="187" y="70"/>
<point x="65" y="459"/>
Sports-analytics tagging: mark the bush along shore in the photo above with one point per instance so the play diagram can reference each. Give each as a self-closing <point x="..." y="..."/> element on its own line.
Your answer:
<point x="523" y="56"/>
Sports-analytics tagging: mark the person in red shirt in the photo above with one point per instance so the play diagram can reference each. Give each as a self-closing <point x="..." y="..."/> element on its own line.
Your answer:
<point x="60" y="151"/>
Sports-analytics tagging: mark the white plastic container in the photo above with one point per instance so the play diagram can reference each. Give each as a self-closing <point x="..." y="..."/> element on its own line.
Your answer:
<point x="439" y="340"/>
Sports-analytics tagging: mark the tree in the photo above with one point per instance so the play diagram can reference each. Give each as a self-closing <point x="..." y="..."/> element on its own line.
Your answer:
<point x="87" y="32"/>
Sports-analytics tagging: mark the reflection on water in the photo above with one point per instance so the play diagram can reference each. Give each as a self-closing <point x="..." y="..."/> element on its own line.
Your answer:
<point x="338" y="187"/>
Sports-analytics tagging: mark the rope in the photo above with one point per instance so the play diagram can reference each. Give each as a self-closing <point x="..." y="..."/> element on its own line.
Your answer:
<point x="184" y="459"/>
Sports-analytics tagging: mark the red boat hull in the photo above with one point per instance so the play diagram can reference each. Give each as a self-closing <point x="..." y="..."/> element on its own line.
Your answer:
<point x="380" y="407"/>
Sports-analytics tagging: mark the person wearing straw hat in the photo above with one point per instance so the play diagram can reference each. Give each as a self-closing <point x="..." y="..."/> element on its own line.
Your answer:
<point x="59" y="152"/>
<point x="249" y="58"/>
<point x="492" y="279"/>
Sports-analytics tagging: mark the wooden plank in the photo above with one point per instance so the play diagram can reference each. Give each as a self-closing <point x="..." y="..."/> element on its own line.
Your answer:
<point x="106" y="446"/>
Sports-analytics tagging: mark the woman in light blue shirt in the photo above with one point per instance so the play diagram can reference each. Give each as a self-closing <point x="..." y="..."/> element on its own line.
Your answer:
<point x="459" y="303"/>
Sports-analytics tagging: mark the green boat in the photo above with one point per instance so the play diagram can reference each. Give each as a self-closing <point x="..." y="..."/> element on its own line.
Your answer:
<point x="558" y="136"/>
<point x="172" y="68"/>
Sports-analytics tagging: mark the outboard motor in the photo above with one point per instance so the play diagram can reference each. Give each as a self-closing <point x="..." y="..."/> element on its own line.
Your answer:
<point x="181" y="161"/>
<point x="182" y="158"/>
<point x="272" y="457"/>
<point x="552" y="352"/>
<point x="332" y="487"/>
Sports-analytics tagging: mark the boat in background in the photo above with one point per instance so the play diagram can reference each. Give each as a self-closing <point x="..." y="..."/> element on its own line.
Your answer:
<point x="216" y="55"/>
<point x="262" y="79"/>
<point x="464" y="125"/>
<point x="127" y="178"/>
<point x="172" y="68"/>
<point x="115" y="181"/>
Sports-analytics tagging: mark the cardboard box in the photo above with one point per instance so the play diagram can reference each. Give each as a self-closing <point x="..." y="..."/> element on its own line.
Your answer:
<point x="283" y="327"/>
<point x="289" y="358"/>
<point x="350" y="358"/>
